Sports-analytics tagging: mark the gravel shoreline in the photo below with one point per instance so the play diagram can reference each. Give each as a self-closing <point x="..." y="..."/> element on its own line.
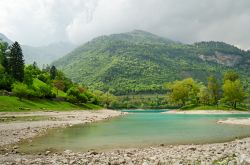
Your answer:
<point x="234" y="152"/>
<point x="231" y="153"/>
<point x="13" y="132"/>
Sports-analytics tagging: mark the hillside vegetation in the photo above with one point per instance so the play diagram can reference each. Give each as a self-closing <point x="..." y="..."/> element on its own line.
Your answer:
<point x="39" y="89"/>
<point x="139" y="62"/>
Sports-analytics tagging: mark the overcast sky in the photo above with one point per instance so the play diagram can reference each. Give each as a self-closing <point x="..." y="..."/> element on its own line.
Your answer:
<point x="40" y="22"/>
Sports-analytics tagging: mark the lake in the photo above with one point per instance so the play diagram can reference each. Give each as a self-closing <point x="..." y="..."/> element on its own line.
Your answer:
<point x="140" y="128"/>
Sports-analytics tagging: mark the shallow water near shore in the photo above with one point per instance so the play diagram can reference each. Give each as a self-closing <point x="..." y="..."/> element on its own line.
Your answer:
<point x="140" y="128"/>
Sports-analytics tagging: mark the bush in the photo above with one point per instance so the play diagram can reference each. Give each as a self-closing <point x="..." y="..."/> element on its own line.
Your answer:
<point x="83" y="98"/>
<point x="73" y="91"/>
<point x="72" y="99"/>
<point x="45" y="91"/>
<point x="5" y="82"/>
<point x="21" y="90"/>
<point x="44" y="78"/>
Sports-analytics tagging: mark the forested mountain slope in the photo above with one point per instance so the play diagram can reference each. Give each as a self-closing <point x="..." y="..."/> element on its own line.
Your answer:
<point x="141" y="62"/>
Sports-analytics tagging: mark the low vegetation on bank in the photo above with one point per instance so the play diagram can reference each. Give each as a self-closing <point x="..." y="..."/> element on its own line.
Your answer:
<point x="14" y="104"/>
<point x="36" y="88"/>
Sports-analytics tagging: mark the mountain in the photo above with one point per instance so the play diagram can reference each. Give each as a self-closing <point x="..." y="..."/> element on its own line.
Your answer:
<point x="46" y="54"/>
<point x="5" y="39"/>
<point x="141" y="62"/>
<point x="43" y="54"/>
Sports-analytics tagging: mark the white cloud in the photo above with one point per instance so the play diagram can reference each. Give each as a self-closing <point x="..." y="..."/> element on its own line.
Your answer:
<point x="44" y="21"/>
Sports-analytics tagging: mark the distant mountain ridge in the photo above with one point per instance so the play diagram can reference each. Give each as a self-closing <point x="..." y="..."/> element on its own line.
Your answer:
<point x="42" y="54"/>
<point x="46" y="54"/>
<point x="141" y="62"/>
<point x="5" y="39"/>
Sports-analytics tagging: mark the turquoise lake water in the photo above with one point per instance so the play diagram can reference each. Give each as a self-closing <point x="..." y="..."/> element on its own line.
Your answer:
<point x="139" y="129"/>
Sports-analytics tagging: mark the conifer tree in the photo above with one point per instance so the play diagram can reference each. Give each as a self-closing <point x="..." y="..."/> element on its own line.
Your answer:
<point x="16" y="62"/>
<point x="53" y="72"/>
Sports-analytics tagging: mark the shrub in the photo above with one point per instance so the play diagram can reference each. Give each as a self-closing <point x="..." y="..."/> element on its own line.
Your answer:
<point x="5" y="82"/>
<point x="83" y="98"/>
<point x="21" y="90"/>
<point x="73" y="91"/>
<point x="72" y="99"/>
<point x="45" y="91"/>
<point x="44" y="78"/>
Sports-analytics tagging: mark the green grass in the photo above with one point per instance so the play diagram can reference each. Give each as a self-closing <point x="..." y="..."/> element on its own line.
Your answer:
<point x="37" y="83"/>
<point x="212" y="107"/>
<point x="13" y="104"/>
<point x="59" y="93"/>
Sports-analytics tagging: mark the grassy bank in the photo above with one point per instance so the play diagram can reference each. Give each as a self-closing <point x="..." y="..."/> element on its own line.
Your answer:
<point x="11" y="103"/>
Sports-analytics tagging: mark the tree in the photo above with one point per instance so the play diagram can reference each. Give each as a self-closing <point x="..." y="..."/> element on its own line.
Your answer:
<point x="204" y="96"/>
<point x="52" y="72"/>
<point x="28" y="77"/>
<point x="6" y="81"/>
<point x="233" y="92"/>
<point x="231" y="75"/>
<point x="45" y="91"/>
<point x="213" y="89"/>
<point x="35" y="66"/>
<point x="182" y="91"/>
<point x="16" y="62"/>
<point x="3" y="56"/>
<point x="21" y="90"/>
<point x="59" y="85"/>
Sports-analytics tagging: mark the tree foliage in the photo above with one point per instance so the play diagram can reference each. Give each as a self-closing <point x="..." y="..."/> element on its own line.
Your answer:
<point x="213" y="88"/>
<point x="16" y="62"/>
<point x="53" y="72"/>
<point x="231" y="75"/>
<point x="183" y="91"/>
<point x="233" y="92"/>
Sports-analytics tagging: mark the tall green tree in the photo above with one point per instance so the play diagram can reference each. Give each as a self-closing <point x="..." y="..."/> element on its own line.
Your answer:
<point x="183" y="91"/>
<point x="35" y="65"/>
<point x="3" y="56"/>
<point x="16" y="62"/>
<point x="204" y="95"/>
<point x="213" y="89"/>
<point x="233" y="92"/>
<point x="53" y="72"/>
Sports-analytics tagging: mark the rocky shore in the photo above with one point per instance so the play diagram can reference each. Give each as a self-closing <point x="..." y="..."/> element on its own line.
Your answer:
<point x="230" y="153"/>
<point x="37" y="123"/>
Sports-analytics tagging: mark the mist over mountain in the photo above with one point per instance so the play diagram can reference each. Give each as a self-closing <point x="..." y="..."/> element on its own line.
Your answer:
<point x="42" y="54"/>
<point x="5" y="39"/>
<point x="46" y="54"/>
<point x="141" y="62"/>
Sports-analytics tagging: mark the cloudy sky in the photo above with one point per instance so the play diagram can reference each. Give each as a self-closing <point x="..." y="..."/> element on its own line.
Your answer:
<point x="40" y="22"/>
